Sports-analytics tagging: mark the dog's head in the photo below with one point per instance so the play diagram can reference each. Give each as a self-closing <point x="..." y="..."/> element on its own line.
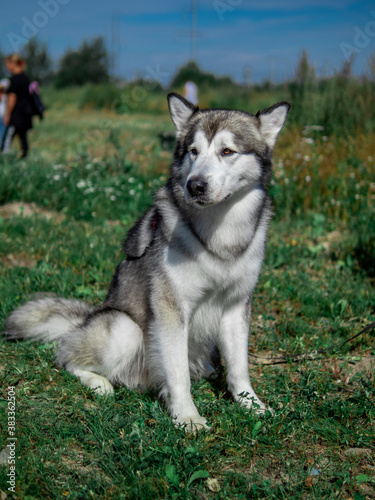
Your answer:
<point x="222" y="153"/>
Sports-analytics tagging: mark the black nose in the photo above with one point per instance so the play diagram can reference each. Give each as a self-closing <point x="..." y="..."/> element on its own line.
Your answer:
<point x="196" y="186"/>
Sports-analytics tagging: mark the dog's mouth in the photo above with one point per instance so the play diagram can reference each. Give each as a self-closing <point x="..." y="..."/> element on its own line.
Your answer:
<point x="206" y="202"/>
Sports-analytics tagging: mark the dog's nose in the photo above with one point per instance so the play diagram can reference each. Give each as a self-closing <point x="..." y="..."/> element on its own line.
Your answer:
<point x="196" y="186"/>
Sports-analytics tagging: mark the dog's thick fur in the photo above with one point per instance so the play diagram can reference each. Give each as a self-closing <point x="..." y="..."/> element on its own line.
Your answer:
<point x="184" y="291"/>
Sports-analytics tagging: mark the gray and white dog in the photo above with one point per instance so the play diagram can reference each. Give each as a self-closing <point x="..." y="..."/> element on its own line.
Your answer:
<point x="184" y="291"/>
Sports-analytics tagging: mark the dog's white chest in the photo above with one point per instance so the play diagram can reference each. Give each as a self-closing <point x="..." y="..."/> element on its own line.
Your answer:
<point x="204" y="281"/>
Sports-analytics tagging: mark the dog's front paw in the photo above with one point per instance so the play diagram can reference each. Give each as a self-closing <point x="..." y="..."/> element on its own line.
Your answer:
<point x="254" y="404"/>
<point x="192" y="423"/>
<point x="262" y="410"/>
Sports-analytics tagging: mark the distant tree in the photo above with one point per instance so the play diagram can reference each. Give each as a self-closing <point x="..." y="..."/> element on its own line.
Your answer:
<point x="305" y="73"/>
<point x="347" y="68"/>
<point x="371" y="65"/>
<point x="90" y="63"/>
<point x="302" y="85"/>
<point x="38" y="61"/>
<point x="191" y="71"/>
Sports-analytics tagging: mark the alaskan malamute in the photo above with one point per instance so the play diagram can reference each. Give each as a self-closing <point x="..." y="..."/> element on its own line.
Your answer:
<point x="183" y="293"/>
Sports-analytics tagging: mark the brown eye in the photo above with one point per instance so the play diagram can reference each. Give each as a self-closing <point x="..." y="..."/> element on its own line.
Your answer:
<point x="193" y="151"/>
<point x="227" y="152"/>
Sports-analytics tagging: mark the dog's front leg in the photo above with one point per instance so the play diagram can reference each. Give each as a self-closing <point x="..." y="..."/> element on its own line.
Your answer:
<point x="233" y="346"/>
<point x="170" y="361"/>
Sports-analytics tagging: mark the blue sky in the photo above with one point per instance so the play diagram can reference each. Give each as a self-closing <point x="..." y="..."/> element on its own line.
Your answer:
<point x="152" y="37"/>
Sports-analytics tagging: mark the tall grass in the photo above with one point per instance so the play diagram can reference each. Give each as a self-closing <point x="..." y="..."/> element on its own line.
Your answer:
<point x="340" y="105"/>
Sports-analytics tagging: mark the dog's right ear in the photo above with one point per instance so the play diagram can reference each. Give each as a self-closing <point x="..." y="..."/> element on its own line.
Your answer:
<point x="180" y="110"/>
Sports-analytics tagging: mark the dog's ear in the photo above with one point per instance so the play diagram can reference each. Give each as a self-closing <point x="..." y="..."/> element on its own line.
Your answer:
<point x="272" y="121"/>
<point x="180" y="110"/>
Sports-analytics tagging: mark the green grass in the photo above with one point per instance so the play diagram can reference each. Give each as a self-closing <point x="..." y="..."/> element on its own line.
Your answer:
<point x="82" y="188"/>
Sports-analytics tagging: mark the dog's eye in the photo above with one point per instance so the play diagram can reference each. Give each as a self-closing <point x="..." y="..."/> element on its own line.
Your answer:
<point x="226" y="152"/>
<point x="194" y="151"/>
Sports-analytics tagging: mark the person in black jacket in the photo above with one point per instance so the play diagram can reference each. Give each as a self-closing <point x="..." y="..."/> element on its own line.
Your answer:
<point x="18" y="115"/>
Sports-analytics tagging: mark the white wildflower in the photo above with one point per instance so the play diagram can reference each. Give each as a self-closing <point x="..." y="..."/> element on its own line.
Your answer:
<point x="306" y="158"/>
<point x="132" y="192"/>
<point x="308" y="140"/>
<point x="308" y="178"/>
<point x="56" y="177"/>
<point x="131" y="180"/>
<point x="113" y="198"/>
<point x="81" y="184"/>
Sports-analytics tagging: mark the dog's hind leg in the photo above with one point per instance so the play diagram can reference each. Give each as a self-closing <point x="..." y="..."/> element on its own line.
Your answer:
<point x="98" y="383"/>
<point x="107" y="349"/>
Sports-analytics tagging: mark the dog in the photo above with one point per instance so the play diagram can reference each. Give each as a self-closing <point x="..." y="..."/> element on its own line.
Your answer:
<point x="183" y="293"/>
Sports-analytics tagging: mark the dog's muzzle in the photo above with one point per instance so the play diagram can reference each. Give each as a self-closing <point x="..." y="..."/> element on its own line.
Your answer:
<point x="196" y="187"/>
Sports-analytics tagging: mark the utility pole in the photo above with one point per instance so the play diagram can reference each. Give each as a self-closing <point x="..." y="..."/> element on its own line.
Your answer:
<point x="272" y="62"/>
<point x="115" y="49"/>
<point x="246" y="75"/>
<point x="193" y="30"/>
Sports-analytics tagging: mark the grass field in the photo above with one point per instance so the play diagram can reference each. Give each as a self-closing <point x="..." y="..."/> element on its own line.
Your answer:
<point x="63" y="215"/>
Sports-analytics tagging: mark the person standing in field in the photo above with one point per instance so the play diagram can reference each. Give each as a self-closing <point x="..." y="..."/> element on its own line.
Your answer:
<point x="18" y="114"/>
<point x="191" y="92"/>
<point x="4" y="84"/>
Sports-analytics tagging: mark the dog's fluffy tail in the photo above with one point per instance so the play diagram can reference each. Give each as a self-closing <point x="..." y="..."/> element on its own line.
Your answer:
<point x="46" y="319"/>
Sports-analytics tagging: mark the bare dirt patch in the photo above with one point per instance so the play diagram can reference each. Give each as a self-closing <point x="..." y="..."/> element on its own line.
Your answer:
<point x="18" y="260"/>
<point x="17" y="208"/>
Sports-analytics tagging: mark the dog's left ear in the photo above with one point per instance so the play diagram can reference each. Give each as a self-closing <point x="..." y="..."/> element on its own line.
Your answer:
<point x="181" y="110"/>
<point x="272" y="121"/>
